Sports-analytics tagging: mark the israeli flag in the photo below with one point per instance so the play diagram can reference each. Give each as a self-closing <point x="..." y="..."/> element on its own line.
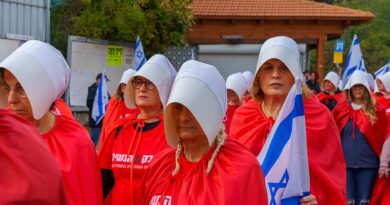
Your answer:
<point x="383" y="70"/>
<point x="354" y="61"/>
<point x="284" y="156"/>
<point x="139" y="55"/>
<point x="101" y="100"/>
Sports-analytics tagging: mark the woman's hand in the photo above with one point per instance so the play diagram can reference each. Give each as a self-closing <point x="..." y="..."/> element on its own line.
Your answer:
<point x="383" y="172"/>
<point x="309" y="200"/>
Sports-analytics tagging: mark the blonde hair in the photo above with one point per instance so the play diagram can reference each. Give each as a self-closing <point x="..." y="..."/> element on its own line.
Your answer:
<point x="258" y="95"/>
<point x="368" y="108"/>
<point x="220" y="140"/>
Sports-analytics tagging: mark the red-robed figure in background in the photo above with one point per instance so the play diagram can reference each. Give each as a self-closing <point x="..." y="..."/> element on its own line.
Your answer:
<point x="132" y="142"/>
<point x="35" y="75"/>
<point x="277" y="68"/>
<point x="381" y="191"/>
<point x="236" y="88"/>
<point x="116" y="108"/>
<point x="330" y="96"/>
<point x="206" y="168"/>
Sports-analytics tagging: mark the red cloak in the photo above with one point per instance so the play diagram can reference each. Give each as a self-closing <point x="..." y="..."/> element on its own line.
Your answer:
<point x="228" y="117"/>
<point x="29" y="174"/>
<point x="61" y="108"/>
<point x="322" y="96"/>
<point x="128" y="154"/>
<point x="235" y="178"/>
<point x="73" y="150"/>
<point x="385" y="104"/>
<point x="375" y="136"/>
<point x="327" y="166"/>
<point x="116" y="110"/>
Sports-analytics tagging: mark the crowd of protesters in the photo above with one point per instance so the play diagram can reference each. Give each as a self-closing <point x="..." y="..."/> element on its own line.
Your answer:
<point x="187" y="137"/>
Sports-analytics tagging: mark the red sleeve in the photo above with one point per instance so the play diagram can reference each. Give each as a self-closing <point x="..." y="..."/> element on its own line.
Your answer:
<point x="29" y="174"/>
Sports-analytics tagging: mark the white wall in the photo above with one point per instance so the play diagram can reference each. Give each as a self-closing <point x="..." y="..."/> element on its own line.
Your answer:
<point x="86" y="59"/>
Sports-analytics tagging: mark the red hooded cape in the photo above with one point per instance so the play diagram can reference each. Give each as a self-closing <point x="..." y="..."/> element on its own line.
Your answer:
<point x="116" y="110"/>
<point x="235" y="178"/>
<point x="229" y="116"/>
<point x="327" y="167"/>
<point x="385" y="103"/>
<point x="322" y="96"/>
<point x="375" y="135"/>
<point x="29" y="174"/>
<point x="128" y="154"/>
<point x="73" y="150"/>
<point x="61" y="108"/>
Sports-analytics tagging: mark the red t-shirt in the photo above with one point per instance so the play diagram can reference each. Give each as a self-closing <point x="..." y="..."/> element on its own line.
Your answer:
<point x="73" y="150"/>
<point x="128" y="155"/>
<point x="327" y="167"/>
<point x="235" y="178"/>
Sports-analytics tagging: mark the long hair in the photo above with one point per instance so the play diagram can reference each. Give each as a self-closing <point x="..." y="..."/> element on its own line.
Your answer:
<point x="118" y="93"/>
<point x="219" y="140"/>
<point x="368" y="105"/>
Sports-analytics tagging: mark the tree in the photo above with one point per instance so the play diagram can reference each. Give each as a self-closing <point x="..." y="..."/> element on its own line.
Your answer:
<point x="159" y="23"/>
<point x="374" y="37"/>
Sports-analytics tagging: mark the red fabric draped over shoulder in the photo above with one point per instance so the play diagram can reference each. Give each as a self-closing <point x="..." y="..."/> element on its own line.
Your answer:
<point x="73" y="150"/>
<point x="61" y="108"/>
<point x="327" y="167"/>
<point x="375" y="135"/>
<point x="29" y="174"/>
<point x="322" y="96"/>
<point x="116" y="110"/>
<point x="235" y="178"/>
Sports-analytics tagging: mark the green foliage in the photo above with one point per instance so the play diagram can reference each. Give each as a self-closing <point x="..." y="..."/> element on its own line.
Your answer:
<point x="374" y="37"/>
<point x="159" y="23"/>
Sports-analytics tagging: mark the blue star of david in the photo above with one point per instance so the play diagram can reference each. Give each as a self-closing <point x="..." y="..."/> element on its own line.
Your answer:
<point x="139" y="54"/>
<point x="274" y="187"/>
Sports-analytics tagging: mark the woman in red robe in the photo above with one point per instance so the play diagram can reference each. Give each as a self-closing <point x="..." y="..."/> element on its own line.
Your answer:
<point x="330" y="96"/>
<point x="29" y="175"/>
<point x="132" y="142"/>
<point x="35" y="75"/>
<point x="277" y="68"/>
<point x="381" y="191"/>
<point x="236" y="88"/>
<point x="206" y="168"/>
<point x="116" y="108"/>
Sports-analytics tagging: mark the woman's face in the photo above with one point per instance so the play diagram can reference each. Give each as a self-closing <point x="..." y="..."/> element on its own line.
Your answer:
<point x="16" y="97"/>
<point x="186" y="125"/>
<point x="328" y="86"/>
<point x="358" y="91"/>
<point x="232" y="98"/>
<point x="380" y="85"/>
<point x="146" y="93"/>
<point x="275" y="78"/>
